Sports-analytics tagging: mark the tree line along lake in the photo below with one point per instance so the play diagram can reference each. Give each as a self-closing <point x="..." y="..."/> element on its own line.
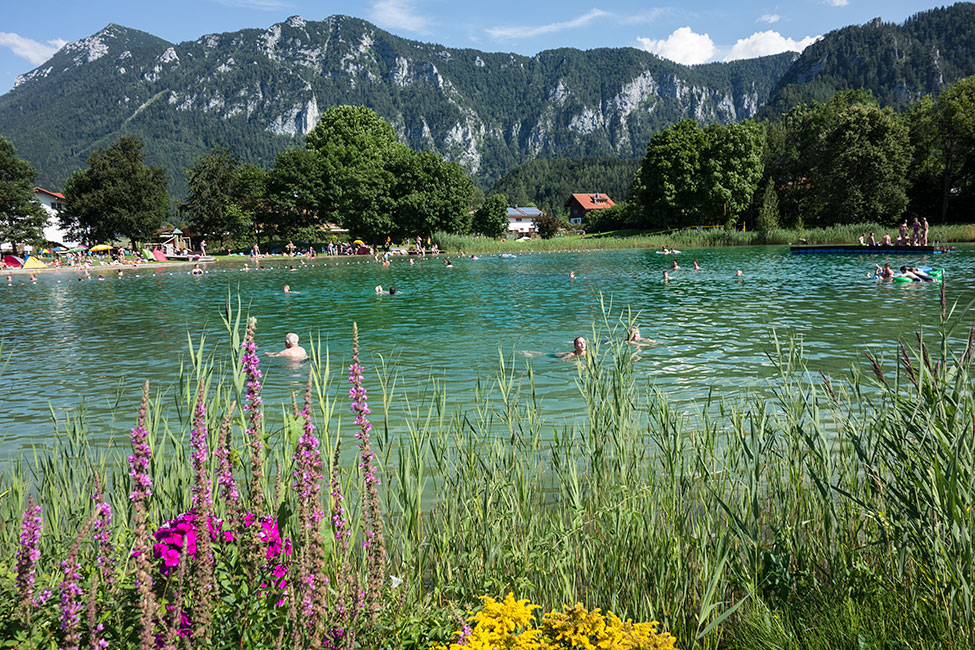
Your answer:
<point x="75" y="347"/>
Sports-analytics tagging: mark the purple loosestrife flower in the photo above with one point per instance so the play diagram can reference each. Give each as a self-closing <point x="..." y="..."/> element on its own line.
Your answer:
<point x="29" y="552"/>
<point x="205" y="586"/>
<point x="102" y="534"/>
<point x="225" y="469"/>
<point x="71" y="591"/>
<point x="339" y="524"/>
<point x="252" y="404"/>
<point x="141" y="490"/>
<point x="307" y="485"/>
<point x="374" y="541"/>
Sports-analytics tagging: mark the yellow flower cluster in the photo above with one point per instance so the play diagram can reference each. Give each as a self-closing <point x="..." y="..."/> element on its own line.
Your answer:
<point x="510" y="625"/>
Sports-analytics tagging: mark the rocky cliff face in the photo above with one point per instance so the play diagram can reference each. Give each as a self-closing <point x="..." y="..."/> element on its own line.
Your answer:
<point x="262" y="90"/>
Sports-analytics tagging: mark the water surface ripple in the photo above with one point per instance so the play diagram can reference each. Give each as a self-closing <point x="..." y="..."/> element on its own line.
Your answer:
<point x="88" y="345"/>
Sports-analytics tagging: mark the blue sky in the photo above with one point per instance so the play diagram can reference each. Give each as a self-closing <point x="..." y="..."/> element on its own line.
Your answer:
<point x="687" y="32"/>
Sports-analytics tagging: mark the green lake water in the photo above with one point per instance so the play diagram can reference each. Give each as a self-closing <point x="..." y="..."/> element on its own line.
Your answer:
<point x="88" y="345"/>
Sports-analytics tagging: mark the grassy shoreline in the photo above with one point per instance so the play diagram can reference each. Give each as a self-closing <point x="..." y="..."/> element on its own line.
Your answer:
<point x="691" y="238"/>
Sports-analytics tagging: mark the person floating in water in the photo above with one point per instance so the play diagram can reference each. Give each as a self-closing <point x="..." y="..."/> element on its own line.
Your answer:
<point x="666" y="277"/>
<point x="287" y="289"/>
<point x="633" y="337"/>
<point x="578" y="351"/>
<point x="674" y="267"/>
<point x="292" y="351"/>
<point x="697" y="267"/>
<point x="738" y="273"/>
<point x="572" y="275"/>
<point x="884" y="273"/>
<point x="197" y="270"/>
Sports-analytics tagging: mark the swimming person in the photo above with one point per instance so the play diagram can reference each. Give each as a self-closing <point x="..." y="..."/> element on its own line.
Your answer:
<point x="738" y="273"/>
<point x="197" y="270"/>
<point x="921" y="274"/>
<point x="578" y="351"/>
<point x="572" y="275"/>
<point x="380" y="291"/>
<point x="287" y="289"/>
<point x="666" y="277"/>
<point x="292" y="351"/>
<point x="674" y="267"/>
<point x="697" y="267"/>
<point x="633" y="337"/>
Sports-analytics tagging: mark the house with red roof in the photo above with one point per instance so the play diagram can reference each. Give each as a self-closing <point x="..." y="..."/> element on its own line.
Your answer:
<point x="54" y="204"/>
<point x="580" y="205"/>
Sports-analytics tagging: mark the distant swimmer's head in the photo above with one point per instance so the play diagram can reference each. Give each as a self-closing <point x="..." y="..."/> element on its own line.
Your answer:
<point x="287" y="289"/>
<point x="634" y="334"/>
<point x="738" y="273"/>
<point x="392" y="291"/>
<point x="903" y="269"/>
<point x="579" y="344"/>
<point x="290" y="340"/>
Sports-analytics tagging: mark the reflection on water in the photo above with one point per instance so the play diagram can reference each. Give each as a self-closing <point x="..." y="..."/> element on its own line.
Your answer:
<point x="68" y="342"/>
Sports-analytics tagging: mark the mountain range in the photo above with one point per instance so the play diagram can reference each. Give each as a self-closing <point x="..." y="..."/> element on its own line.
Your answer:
<point x="261" y="90"/>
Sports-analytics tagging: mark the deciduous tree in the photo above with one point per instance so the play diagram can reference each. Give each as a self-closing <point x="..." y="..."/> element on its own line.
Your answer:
<point x="117" y="195"/>
<point x="214" y="213"/>
<point x="22" y="218"/>
<point x="491" y="219"/>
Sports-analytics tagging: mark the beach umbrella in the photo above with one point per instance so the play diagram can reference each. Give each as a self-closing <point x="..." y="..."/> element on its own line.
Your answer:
<point x="45" y="251"/>
<point x="78" y="249"/>
<point x="359" y="242"/>
<point x="100" y="248"/>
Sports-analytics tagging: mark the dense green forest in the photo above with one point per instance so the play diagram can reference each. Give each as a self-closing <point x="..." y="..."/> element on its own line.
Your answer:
<point x="547" y="184"/>
<point x="898" y="63"/>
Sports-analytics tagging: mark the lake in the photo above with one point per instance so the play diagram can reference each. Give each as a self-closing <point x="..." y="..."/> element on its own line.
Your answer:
<point x="88" y="345"/>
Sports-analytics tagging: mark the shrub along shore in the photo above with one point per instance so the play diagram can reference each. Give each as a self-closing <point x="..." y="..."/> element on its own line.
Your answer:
<point x="839" y="513"/>
<point x="693" y="238"/>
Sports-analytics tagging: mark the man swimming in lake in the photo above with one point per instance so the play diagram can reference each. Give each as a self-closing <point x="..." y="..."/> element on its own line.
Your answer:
<point x="578" y="352"/>
<point x="674" y="267"/>
<point x="292" y="351"/>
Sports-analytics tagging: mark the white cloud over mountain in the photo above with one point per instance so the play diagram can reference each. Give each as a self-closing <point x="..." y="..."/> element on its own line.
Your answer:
<point x="683" y="45"/>
<point x="398" y="14"/>
<point x="765" y="43"/>
<point x="528" y="31"/>
<point x="35" y="52"/>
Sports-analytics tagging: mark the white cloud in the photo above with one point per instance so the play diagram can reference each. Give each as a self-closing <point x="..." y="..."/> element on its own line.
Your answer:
<point x="768" y="18"/>
<point x="838" y="3"/>
<point x="682" y="46"/>
<point x="263" y="5"/>
<point x="36" y="53"/>
<point x="765" y="43"/>
<point x="398" y="14"/>
<point x="525" y="31"/>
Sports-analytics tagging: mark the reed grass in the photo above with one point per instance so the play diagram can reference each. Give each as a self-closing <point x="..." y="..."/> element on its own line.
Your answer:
<point x="840" y="512"/>
<point x="693" y="238"/>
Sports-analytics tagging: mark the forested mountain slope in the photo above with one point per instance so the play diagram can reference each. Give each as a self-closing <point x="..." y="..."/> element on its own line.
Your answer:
<point x="898" y="63"/>
<point x="260" y="91"/>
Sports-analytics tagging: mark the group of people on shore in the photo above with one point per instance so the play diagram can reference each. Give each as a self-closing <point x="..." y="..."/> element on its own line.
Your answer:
<point x="914" y="235"/>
